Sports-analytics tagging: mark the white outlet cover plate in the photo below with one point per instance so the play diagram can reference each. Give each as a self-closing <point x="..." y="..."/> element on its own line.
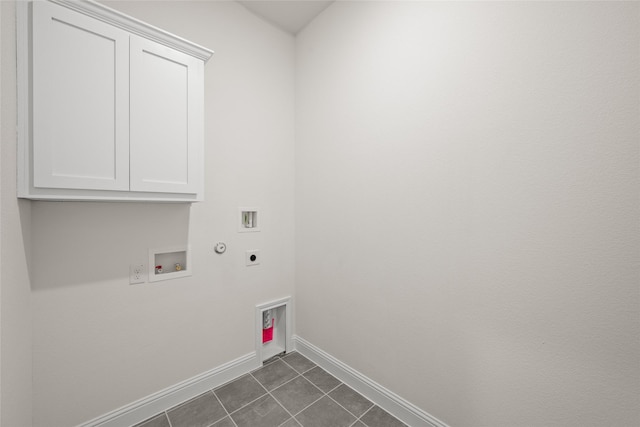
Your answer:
<point x="248" y="255"/>
<point x="137" y="274"/>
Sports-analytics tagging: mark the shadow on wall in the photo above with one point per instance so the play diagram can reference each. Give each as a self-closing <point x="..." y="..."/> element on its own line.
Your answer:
<point x="24" y="211"/>
<point x="79" y="243"/>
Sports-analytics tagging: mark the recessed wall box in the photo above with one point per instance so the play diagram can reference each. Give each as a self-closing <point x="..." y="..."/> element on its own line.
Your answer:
<point x="250" y="220"/>
<point x="279" y="331"/>
<point x="169" y="263"/>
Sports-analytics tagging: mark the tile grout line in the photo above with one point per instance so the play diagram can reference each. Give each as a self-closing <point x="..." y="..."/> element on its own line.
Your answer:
<point x="166" y="414"/>
<point x="335" y="401"/>
<point x="166" y="411"/>
<point x="276" y="400"/>
<point x="264" y="388"/>
<point x="301" y="373"/>
<point x="340" y="382"/>
<point x="391" y="415"/>
<point x="373" y="405"/>
<point x="285" y="409"/>
<point x="323" y="394"/>
<point x="283" y="384"/>
<point x="365" y="413"/>
<point x="269" y="394"/>
<point x="339" y="404"/>
<point x="348" y="411"/>
<point x="249" y="403"/>
<point x="318" y="399"/>
<point x="280" y="403"/>
<point x="266" y="392"/>
<point x="225" y="409"/>
<point x="310" y="405"/>
<point x="327" y="395"/>
<point x="231" y="381"/>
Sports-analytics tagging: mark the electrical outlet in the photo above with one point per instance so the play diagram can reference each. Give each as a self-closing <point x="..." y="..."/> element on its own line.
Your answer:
<point x="252" y="257"/>
<point x="136" y="274"/>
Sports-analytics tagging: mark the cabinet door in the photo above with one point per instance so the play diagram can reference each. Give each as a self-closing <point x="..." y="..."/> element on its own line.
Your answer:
<point x="166" y="119"/>
<point x="80" y="101"/>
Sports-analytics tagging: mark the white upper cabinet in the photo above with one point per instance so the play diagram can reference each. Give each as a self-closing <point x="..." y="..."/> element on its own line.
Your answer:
<point x="166" y="135"/>
<point x="80" y="101"/>
<point x="111" y="109"/>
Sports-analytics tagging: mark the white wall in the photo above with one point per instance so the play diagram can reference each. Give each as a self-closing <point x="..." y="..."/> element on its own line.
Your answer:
<point x="1" y="121"/>
<point x="467" y="205"/>
<point x="15" y="298"/>
<point x="100" y="343"/>
<point x="466" y="217"/>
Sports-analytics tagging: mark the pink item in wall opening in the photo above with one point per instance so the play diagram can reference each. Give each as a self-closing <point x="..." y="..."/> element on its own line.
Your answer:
<point x="267" y="334"/>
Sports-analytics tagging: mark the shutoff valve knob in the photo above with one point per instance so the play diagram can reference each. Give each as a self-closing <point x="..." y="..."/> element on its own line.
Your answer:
<point x="220" y="248"/>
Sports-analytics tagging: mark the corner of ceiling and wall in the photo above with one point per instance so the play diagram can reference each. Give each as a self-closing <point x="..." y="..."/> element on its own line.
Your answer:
<point x="290" y="16"/>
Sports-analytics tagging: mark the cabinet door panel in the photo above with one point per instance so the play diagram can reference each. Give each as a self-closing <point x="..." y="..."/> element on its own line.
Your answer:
<point x="80" y="101"/>
<point x="166" y="108"/>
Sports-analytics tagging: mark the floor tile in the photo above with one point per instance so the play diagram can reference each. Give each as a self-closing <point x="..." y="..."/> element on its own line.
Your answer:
<point x="378" y="417"/>
<point x="157" y="421"/>
<point x="265" y="412"/>
<point x="351" y="400"/>
<point x="291" y="423"/>
<point x="296" y="397"/>
<point x="322" y="379"/>
<point x="238" y="393"/>
<point x="325" y="413"/>
<point x="201" y="411"/>
<point x="298" y="362"/>
<point x="225" y="422"/>
<point x="297" y="394"/>
<point x="271" y="359"/>
<point x="274" y="374"/>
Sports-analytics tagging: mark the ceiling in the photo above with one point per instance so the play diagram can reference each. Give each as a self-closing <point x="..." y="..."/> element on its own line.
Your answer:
<point x="290" y="15"/>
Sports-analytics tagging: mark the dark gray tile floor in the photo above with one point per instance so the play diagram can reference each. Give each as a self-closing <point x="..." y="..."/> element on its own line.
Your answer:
<point x="288" y="391"/>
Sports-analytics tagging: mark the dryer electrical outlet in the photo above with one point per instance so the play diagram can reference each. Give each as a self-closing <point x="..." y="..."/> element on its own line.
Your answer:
<point x="252" y="257"/>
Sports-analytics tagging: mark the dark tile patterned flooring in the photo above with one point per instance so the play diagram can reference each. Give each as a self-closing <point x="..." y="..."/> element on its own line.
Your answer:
<point x="288" y="391"/>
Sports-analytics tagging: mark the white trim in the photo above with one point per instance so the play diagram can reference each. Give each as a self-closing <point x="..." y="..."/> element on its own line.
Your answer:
<point x="386" y="399"/>
<point x="159" y="402"/>
<point x="23" y="101"/>
<point x="156" y="403"/>
<point x="135" y="26"/>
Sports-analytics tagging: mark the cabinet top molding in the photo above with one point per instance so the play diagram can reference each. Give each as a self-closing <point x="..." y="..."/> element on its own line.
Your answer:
<point x="135" y="26"/>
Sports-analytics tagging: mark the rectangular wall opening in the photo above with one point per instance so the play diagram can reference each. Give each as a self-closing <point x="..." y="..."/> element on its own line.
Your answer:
<point x="273" y="328"/>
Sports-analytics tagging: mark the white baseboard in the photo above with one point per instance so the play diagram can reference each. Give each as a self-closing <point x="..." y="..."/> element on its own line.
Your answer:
<point x="156" y="403"/>
<point x="386" y="399"/>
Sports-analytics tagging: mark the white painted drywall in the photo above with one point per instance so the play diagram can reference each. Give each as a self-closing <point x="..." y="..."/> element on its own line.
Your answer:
<point x="100" y="343"/>
<point x="467" y="205"/>
<point x="1" y="121"/>
<point x="290" y="15"/>
<point x="15" y="293"/>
